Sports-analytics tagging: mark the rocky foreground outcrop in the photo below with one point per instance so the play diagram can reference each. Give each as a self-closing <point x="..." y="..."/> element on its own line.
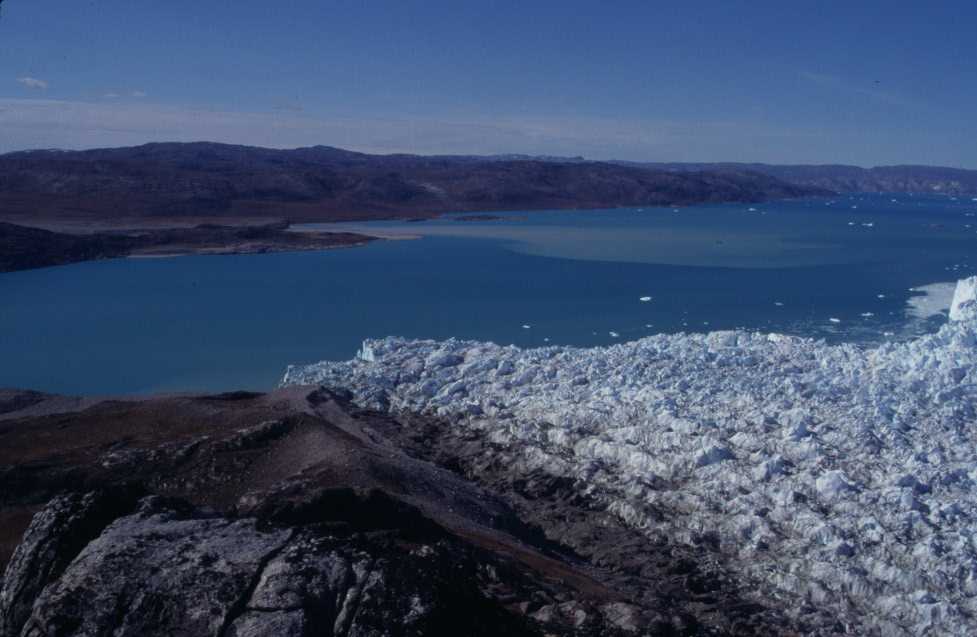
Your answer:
<point x="295" y="513"/>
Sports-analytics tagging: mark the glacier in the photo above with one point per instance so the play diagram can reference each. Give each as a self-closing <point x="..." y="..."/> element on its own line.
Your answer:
<point x="839" y="476"/>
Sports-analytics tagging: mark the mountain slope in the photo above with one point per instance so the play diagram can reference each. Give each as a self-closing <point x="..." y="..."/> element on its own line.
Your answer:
<point x="322" y="183"/>
<point x="294" y="513"/>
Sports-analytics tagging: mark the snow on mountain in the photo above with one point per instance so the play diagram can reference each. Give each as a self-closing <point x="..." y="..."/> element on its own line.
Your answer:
<point x="837" y="476"/>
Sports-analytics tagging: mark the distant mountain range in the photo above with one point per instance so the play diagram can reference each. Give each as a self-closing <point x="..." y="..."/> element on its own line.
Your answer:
<point x="841" y="178"/>
<point x="322" y="183"/>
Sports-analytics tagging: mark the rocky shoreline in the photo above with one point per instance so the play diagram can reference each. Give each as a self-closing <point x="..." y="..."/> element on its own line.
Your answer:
<point x="297" y="513"/>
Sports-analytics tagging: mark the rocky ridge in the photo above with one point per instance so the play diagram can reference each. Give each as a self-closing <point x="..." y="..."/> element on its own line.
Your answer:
<point x="297" y="513"/>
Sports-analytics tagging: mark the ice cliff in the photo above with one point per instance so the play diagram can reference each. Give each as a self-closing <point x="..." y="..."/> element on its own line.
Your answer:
<point x="837" y="476"/>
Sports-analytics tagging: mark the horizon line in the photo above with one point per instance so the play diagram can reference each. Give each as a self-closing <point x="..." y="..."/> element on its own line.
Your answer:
<point x="515" y="155"/>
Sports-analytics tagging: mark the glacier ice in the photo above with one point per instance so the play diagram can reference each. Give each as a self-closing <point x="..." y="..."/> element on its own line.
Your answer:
<point x="836" y="475"/>
<point x="965" y="294"/>
<point x="935" y="299"/>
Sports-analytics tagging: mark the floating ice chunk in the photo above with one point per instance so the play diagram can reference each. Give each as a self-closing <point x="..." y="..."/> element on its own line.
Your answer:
<point x="751" y="210"/>
<point x="526" y="327"/>
<point x="867" y="314"/>
<point x="835" y="320"/>
<point x="880" y="296"/>
<point x="644" y="299"/>
<point x="778" y="303"/>
<point x="614" y="334"/>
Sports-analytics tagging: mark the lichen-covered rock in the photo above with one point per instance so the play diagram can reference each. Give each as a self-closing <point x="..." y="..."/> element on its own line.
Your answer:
<point x="55" y="537"/>
<point x="159" y="571"/>
<point x="171" y="570"/>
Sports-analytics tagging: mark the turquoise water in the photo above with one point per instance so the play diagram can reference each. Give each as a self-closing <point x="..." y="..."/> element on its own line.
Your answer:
<point x="223" y="322"/>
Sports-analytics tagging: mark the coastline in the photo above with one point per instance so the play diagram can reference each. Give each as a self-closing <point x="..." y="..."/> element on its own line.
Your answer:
<point x="26" y="248"/>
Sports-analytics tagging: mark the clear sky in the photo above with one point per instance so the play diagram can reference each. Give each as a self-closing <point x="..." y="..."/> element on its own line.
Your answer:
<point x="864" y="82"/>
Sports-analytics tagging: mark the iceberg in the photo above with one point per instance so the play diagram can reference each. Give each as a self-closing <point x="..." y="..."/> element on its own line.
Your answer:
<point x="839" y="474"/>
<point x="964" y="299"/>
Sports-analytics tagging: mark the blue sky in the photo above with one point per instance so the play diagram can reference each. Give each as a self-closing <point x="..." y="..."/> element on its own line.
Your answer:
<point x="847" y="82"/>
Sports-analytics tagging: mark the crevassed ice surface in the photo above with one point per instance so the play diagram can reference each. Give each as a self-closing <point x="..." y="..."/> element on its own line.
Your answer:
<point x="841" y="475"/>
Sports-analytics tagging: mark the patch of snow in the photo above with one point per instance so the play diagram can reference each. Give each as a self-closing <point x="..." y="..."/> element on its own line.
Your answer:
<point x="837" y="474"/>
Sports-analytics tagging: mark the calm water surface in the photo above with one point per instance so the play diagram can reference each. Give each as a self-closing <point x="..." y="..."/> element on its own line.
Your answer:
<point x="229" y="322"/>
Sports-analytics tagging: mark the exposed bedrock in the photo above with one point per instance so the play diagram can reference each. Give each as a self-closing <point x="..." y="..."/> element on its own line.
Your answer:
<point x="168" y="569"/>
<point x="295" y="513"/>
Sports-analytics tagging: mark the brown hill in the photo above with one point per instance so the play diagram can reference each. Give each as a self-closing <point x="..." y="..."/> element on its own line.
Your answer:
<point x="322" y="183"/>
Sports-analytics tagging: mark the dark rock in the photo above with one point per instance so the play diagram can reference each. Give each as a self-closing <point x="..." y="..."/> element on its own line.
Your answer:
<point x="55" y="537"/>
<point x="23" y="247"/>
<point x="204" y="575"/>
<point x="294" y="513"/>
